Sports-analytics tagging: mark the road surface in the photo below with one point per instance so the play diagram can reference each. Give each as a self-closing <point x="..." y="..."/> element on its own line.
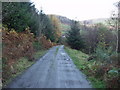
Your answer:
<point x="54" y="70"/>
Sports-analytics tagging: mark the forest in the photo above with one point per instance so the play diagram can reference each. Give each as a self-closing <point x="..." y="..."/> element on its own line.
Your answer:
<point x="27" y="34"/>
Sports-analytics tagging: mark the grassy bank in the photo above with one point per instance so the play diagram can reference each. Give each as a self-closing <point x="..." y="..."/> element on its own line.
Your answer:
<point x="22" y="64"/>
<point x="80" y="60"/>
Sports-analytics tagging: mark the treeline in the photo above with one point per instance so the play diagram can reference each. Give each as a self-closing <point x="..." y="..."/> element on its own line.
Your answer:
<point x="21" y="15"/>
<point x="25" y="31"/>
<point x="100" y="41"/>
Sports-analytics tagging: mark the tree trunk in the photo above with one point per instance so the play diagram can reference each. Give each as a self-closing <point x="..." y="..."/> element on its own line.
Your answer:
<point x="118" y="42"/>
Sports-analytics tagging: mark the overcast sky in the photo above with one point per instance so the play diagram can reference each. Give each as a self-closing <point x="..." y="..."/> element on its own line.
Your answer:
<point x="77" y="9"/>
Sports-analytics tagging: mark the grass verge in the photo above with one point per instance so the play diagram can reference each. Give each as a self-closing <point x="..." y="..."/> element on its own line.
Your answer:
<point x="39" y="54"/>
<point x="80" y="60"/>
<point x="22" y="64"/>
<point x="56" y="50"/>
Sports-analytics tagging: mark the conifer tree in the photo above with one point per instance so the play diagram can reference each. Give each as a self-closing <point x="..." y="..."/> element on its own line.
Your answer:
<point x="73" y="37"/>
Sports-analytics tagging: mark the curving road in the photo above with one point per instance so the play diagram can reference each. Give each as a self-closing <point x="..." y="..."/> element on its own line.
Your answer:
<point x="54" y="70"/>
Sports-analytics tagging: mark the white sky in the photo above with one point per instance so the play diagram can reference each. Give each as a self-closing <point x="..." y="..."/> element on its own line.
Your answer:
<point x="77" y="9"/>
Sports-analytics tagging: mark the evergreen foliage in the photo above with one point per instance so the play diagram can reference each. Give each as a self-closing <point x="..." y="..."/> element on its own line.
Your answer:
<point x="20" y="15"/>
<point x="73" y="37"/>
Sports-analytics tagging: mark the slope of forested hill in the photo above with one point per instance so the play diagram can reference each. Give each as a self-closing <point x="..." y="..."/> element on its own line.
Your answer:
<point x="64" y="23"/>
<point x="94" y="21"/>
<point x="64" y="20"/>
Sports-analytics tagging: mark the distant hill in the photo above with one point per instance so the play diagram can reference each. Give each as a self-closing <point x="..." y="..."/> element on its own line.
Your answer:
<point x="67" y="21"/>
<point x="64" y="20"/>
<point x="94" y="21"/>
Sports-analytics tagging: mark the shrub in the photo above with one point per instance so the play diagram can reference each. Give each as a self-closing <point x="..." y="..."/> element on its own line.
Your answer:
<point x="37" y="45"/>
<point x="101" y="52"/>
<point x="15" y="46"/>
<point x="46" y="43"/>
<point x="114" y="59"/>
<point x="74" y="38"/>
<point x="113" y="82"/>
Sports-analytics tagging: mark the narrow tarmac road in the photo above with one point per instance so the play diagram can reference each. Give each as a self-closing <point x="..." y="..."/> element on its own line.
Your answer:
<point x="54" y="70"/>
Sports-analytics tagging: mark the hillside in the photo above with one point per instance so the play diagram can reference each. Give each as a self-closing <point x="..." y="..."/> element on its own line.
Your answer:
<point x="94" y="21"/>
<point x="66" y="22"/>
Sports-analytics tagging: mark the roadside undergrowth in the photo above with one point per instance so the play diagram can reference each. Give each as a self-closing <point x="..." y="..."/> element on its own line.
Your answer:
<point x="56" y="50"/>
<point x="20" y="50"/>
<point x="21" y="65"/>
<point x="87" y="67"/>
